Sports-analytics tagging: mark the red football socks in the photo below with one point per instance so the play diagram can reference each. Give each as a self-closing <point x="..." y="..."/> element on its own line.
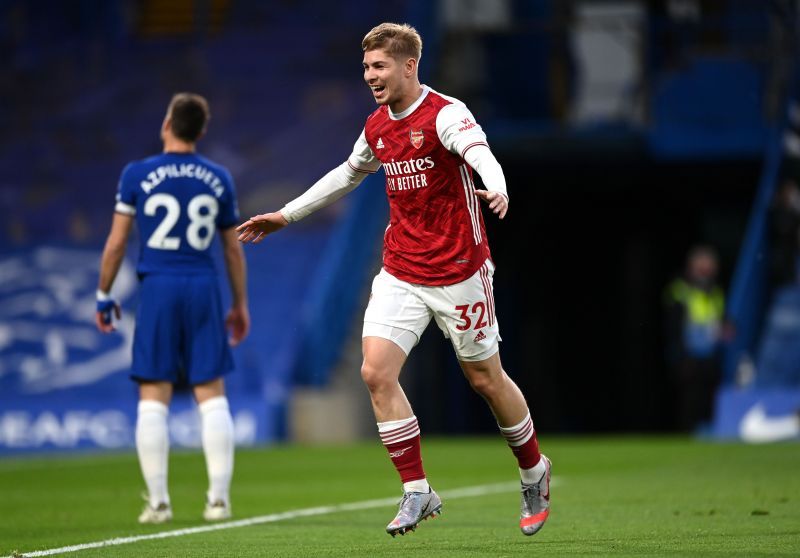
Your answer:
<point x="402" y="440"/>
<point x="521" y="439"/>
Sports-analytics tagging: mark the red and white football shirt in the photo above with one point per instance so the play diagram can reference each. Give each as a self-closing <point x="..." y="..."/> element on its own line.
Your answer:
<point x="436" y="234"/>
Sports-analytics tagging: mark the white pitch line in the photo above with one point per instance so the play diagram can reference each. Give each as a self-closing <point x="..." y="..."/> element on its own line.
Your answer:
<point x="465" y="492"/>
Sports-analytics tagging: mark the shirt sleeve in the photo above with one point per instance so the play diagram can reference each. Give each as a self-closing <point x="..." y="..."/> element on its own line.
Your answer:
<point x="336" y="183"/>
<point x="126" y="193"/>
<point x="325" y="191"/>
<point x="229" y="208"/>
<point x="484" y="162"/>
<point x="460" y="134"/>
<point x="362" y="159"/>
<point x="458" y="130"/>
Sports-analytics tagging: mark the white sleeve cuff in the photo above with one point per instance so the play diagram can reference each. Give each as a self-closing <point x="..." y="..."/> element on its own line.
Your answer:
<point x="125" y="209"/>
<point x="286" y="214"/>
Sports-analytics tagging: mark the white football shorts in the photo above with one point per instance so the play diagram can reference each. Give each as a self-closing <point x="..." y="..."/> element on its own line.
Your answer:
<point x="400" y="312"/>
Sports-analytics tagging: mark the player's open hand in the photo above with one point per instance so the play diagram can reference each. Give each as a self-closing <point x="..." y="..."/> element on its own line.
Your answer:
<point x="256" y="228"/>
<point x="237" y="323"/>
<point x="497" y="201"/>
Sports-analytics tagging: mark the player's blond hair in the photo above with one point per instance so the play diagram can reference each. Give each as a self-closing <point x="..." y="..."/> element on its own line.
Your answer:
<point x="399" y="40"/>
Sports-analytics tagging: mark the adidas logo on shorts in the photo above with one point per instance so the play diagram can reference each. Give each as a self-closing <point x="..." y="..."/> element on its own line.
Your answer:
<point x="480" y="337"/>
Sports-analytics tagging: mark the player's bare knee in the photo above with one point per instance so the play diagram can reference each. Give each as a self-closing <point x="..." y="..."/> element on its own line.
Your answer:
<point x="486" y="383"/>
<point x="481" y="383"/>
<point x="375" y="378"/>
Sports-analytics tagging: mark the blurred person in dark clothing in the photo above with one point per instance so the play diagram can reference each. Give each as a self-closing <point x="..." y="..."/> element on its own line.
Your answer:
<point x="695" y="329"/>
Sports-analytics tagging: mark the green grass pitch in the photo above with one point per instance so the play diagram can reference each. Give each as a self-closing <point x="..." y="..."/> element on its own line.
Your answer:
<point x="611" y="496"/>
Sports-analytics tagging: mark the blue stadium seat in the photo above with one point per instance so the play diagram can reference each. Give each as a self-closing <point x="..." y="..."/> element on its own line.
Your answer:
<point x="692" y="110"/>
<point x="778" y="359"/>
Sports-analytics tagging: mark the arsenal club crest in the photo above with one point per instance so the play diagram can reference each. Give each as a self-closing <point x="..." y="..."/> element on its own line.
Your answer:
<point x="417" y="137"/>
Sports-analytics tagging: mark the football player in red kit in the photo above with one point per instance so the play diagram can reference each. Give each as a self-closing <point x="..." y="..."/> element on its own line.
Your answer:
<point x="436" y="263"/>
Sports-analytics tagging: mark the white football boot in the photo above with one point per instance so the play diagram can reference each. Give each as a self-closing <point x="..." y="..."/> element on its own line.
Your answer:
<point x="414" y="507"/>
<point x="217" y="511"/>
<point x="162" y="513"/>
<point x="535" y="507"/>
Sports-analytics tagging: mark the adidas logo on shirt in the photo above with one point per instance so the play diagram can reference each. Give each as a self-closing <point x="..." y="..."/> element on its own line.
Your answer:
<point x="379" y="145"/>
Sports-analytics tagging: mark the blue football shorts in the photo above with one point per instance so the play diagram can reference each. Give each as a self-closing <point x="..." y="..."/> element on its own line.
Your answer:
<point x="180" y="332"/>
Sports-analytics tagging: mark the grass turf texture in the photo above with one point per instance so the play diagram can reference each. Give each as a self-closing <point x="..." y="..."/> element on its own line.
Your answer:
<point x="613" y="496"/>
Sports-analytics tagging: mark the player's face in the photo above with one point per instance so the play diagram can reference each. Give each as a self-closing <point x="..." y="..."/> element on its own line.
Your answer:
<point x="385" y="76"/>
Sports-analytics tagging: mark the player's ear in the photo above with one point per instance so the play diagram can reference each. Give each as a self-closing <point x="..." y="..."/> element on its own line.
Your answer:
<point x="410" y="67"/>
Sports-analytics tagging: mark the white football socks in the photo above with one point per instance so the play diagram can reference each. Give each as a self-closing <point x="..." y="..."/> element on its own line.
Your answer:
<point x="152" y="446"/>
<point x="420" y="485"/>
<point x="218" y="445"/>
<point x="534" y="474"/>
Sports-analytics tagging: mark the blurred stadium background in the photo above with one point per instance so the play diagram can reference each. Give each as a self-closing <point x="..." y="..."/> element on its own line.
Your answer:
<point x="628" y="131"/>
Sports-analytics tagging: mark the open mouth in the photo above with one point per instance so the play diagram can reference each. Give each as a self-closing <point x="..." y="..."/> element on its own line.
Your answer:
<point x="377" y="90"/>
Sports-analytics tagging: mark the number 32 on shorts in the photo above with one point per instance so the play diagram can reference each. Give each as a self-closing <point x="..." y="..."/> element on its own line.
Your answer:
<point x="478" y="312"/>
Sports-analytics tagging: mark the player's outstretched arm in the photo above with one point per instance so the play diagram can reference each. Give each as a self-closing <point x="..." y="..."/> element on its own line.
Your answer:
<point x="256" y="228"/>
<point x="325" y="191"/>
<point x="113" y="254"/>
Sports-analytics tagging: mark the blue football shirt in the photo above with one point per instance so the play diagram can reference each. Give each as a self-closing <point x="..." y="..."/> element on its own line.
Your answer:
<point x="179" y="200"/>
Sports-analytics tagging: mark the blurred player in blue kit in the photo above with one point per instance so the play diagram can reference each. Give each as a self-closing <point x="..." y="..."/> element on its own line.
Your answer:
<point x="179" y="199"/>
